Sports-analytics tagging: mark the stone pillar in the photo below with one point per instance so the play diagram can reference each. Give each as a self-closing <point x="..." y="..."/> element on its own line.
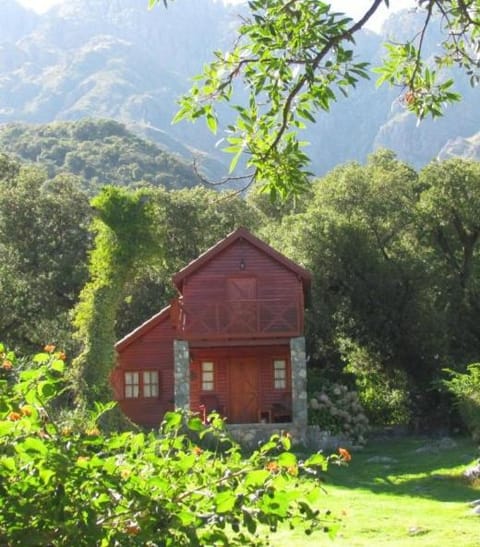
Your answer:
<point x="181" y="358"/>
<point x="299" y="382"/>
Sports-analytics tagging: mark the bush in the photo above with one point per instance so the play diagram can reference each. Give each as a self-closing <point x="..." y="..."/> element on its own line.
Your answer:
<point x="65" y="481"/>
<point x="383" y="392"/>
<point x="337" y="409"/>
<point x="466" y="389"/>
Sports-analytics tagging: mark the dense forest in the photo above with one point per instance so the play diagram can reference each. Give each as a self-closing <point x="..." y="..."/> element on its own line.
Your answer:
<point x="99" y="151"/>
<point x="394" y="253"/>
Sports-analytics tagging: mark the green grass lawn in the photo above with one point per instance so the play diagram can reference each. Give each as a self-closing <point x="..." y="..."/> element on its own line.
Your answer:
<point x="415" y="497"/>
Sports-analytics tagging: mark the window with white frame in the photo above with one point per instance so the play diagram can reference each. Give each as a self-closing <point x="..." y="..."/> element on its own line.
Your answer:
<point x="207" y="376"/>
<point x="280" y="374"/>
<point x="141" y="384"/>
<point x="150" y="383"/>
<point x="132" y="385"/>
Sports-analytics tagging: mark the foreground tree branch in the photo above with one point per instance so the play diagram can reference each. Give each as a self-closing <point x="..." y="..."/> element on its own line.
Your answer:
<point x="294" y="58"/>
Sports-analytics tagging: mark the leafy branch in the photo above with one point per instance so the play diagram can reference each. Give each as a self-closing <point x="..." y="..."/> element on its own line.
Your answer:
<point x="290" y="60"/>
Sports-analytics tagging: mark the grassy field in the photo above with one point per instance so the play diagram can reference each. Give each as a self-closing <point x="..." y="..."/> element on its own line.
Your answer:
<point x="401" y="493"/>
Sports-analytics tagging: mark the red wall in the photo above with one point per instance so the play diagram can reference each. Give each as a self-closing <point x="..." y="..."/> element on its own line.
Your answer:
<point x="221" y="357"/>
<point x="273" y="279"/>
<point x="151" y="351"/>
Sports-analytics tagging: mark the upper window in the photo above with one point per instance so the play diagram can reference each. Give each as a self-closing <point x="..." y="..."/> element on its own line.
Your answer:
<point x="141" y="384"/>
<point x="207" y="376"/>
<point x="280" y="374"/>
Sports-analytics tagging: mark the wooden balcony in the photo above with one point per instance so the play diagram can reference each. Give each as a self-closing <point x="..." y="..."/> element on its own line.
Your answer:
<point x="238" y="319"/>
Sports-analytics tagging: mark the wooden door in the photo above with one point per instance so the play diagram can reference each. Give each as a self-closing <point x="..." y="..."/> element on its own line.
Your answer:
<point x="243" y="404"/>
<point x="241" y="288"/>
<point x="242" y="306"/>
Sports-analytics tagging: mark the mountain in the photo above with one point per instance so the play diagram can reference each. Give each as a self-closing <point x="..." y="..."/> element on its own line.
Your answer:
<point x="100" y="151"/>
<point x="117" y="59"/>
<point x="110" y="59"/>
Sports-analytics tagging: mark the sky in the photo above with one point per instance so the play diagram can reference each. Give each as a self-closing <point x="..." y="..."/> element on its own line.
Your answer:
<point x="354" y="8"/>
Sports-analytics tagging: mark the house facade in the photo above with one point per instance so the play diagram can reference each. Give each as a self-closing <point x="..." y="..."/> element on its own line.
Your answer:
<point x="232" y="341"/>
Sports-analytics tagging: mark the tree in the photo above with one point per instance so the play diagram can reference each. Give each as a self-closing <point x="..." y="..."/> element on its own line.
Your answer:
<point x="123" y="239"/>
<point x="43" y="243"/>
<point x="372" y="309"/>
<point x="450" y="233"/>
<point x="293" y="58"/>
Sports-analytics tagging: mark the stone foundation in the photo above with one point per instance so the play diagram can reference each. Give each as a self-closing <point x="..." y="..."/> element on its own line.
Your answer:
<point x="252" y="435"/>
<point x="310" y="437"/>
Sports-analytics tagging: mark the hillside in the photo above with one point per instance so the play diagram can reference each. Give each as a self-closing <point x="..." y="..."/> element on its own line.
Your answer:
<point x="100" y="151"/>
<point x="119" y="60"/>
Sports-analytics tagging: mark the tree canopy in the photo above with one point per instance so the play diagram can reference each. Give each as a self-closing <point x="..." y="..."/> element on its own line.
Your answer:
<point x="294" y="57"/>
<point x="99" y="151"/>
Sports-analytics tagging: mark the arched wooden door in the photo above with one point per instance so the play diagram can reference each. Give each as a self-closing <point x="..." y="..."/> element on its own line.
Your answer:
<point x="243" y="404"/>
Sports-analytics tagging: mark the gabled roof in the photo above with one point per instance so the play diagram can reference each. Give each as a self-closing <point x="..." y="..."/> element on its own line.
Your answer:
<point x="239" y="234"/>
<point x="143" y="328"/>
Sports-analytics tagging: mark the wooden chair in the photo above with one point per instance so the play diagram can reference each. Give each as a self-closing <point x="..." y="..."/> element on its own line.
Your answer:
<point x="282" y="410"/>
<point x="210" y="403"/>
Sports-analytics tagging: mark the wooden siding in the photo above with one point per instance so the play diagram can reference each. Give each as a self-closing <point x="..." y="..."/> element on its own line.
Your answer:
<point x="151" y="351"/>
<point x="210" y="309"/>
<point x="240" y="303"/>
<point x="224" y="389"/>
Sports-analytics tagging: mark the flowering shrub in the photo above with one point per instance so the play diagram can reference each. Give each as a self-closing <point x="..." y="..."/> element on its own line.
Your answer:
<point x="337" y="409"/>
<point x="61" y="482"/>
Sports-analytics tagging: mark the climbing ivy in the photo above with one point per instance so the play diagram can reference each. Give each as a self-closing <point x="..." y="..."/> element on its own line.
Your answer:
<point x="124" y="238"/>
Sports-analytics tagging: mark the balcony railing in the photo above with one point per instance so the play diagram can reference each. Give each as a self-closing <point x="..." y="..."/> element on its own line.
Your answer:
<point x="238" y="319"/>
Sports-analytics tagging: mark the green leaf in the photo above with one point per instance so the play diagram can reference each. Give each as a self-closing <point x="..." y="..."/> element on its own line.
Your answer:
<point x="316" y="460"/>
<point x="41" y="358"/>
<point x="287" y="459"/>
<point x="249" y="522"/>
<point x="138" y="442"/>
<point x="46" y="475"/>
<point x="6" y="427"/>
<point x="186" y="462"/>
<point x="8" y="463"/>
<point x="257" y="477"/>
<point x="211" y="122"/>
<point x="46" y="389"/>
<point x="187" y="518"/>
<point x="286" y="442"/>
<point x="234" y="161"/>
<point x="172" y="420"/>
<point x="195" y="424"/>
<point x="58" y="365"/>
<point x="225" y="501"/>
<point x="32" y="444"/>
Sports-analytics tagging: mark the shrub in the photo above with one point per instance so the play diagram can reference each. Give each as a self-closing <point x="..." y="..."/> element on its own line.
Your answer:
<point x="383" y="391"/>
<point x="337" y="409"/>
<point x="67" y="482"/>
<point x="466" y="389"/>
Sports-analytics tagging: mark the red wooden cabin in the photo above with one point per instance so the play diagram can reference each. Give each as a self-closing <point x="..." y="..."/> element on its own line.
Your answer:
<point x="232" y="341"/>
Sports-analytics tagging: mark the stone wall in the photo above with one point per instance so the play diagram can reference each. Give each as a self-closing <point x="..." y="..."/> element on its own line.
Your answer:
<point x="311" y="438"/>
<point x="252" y="435"/>
<point x="299" y="382"/>
<point x="181" y="357"/>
